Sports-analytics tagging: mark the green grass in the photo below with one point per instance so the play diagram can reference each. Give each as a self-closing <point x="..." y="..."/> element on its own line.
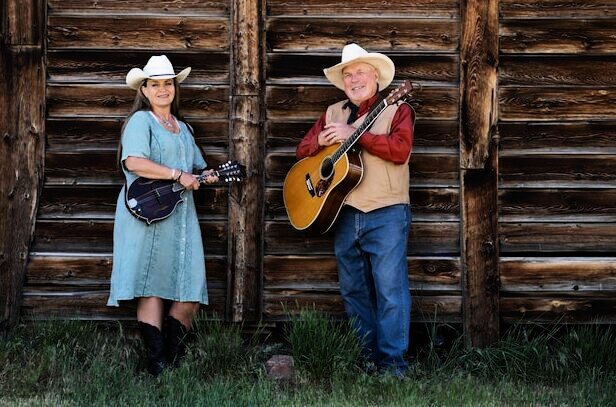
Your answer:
<point x="84" y="364"/>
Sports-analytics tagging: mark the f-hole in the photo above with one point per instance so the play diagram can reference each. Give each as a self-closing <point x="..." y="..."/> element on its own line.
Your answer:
<point x="327" y="168"/>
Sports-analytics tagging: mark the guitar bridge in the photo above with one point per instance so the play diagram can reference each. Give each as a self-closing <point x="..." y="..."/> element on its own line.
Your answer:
<point x="309" y="185"/>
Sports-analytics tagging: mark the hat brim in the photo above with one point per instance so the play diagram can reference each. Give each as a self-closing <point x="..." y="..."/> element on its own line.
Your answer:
<point x="136" y="76"/>
<point x="382" y="63"/>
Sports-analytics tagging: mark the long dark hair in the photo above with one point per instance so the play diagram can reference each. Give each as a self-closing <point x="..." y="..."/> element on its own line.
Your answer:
<point x="142" y="103"/>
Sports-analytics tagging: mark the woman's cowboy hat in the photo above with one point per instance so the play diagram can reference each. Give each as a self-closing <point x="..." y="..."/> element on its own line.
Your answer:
<point x="158" y="67"/>
<point x="353" y="53"/>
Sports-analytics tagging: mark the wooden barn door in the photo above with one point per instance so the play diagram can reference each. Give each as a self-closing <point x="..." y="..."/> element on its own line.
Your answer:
<point x="90" y="47"/>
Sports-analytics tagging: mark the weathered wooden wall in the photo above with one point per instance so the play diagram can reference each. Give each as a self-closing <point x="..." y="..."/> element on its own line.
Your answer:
<point x="513" y="173"/>
<point x="557" y="178"/>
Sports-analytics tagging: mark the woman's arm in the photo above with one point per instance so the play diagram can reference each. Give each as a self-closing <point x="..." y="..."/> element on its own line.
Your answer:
<point x="149" y="169"/>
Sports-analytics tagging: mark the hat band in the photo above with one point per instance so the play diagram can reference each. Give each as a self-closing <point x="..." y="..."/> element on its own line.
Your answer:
<point x="162" y="74"/>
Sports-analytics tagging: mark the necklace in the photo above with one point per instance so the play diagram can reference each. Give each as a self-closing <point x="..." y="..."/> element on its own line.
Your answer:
<point x="167" y="123"/>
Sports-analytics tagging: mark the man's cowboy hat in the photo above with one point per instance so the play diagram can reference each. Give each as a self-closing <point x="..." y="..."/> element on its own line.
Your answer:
<point x="353" y="53"/>
<point x="158" y="67"/>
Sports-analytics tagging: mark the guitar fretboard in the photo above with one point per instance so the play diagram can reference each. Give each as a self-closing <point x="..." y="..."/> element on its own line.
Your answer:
<point x="348" y="143"/>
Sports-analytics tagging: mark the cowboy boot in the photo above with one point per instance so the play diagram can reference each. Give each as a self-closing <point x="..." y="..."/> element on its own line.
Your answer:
<point x="154" y="346"/>
<point x="176" y="337"/>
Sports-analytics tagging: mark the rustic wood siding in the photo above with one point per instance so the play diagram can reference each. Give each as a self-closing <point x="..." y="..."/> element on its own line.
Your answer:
<point x="557" y="180"/>
<point x="513" y="171"/>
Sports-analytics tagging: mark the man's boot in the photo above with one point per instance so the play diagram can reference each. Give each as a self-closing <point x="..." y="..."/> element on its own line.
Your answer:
<point x="154" y="346"/>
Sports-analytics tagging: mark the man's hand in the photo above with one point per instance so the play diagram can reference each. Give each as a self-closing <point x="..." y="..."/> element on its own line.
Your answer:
<point x="335" y="133"/>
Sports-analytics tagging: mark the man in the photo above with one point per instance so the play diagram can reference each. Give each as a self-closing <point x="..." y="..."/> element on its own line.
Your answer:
<point x="371" y="231"/>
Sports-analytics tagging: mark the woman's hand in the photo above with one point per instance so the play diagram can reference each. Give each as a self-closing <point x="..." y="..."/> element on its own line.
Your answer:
<point x="210" y="176"/>
<point x="189" y="181"/>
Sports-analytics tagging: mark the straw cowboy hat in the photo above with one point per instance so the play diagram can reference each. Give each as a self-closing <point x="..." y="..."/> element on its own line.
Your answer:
<point x="158" y="67"/>
<point x="353" y="53"/>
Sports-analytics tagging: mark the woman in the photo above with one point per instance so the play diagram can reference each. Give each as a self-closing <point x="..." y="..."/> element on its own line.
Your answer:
<point x="163" y="260"/>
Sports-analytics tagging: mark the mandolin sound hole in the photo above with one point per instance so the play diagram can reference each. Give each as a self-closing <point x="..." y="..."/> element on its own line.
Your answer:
<point x="327" y="168"/>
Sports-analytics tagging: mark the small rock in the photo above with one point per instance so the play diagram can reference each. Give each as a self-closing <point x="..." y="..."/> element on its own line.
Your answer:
<point x="280" y="367"/>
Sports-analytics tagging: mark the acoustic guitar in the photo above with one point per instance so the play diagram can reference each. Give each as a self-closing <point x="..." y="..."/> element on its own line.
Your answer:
<point x="152" y="200"/>
<point x="315" y="187"/>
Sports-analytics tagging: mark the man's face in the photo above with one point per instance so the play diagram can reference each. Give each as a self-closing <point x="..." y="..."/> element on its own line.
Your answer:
<point x="360" y="82"/>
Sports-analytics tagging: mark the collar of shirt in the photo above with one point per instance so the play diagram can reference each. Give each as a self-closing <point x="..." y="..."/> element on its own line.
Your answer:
<point x="363" y="108"/>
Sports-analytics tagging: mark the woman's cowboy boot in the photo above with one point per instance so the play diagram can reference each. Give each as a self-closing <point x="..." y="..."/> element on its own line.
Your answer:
<point x="154" y="346"/>
<point x="176" y="338"/>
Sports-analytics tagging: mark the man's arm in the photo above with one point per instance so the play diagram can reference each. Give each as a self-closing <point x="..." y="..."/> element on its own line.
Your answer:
<point x="310" y="143"/>
<point x="396" y="146"/>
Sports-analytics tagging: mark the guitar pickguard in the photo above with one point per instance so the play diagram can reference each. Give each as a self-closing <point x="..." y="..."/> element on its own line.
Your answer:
<point x="323" y="185"/>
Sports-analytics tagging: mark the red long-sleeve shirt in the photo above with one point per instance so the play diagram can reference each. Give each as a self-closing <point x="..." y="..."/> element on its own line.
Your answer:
<point x="395" y="146"/>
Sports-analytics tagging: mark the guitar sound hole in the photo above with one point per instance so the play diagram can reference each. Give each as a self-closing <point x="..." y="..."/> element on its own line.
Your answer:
<point x="327" y="168"/>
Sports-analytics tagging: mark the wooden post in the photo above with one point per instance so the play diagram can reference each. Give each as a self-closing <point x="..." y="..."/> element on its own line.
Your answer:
<point x="22" y="120"/>
<point x="246" y="144"/>
<point x="479" y="170"/>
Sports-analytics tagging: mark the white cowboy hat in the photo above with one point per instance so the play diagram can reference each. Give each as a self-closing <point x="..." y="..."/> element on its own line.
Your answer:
<point x="158" y="67"/>
<point x="353" y="53"/>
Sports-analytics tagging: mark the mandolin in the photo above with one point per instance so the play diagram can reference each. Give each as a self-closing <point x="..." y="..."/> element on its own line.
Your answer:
<point x="152" y="200"/>
<point x="315" y="188"/>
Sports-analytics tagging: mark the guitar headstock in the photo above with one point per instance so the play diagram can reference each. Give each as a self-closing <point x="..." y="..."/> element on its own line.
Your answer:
<point x="398" y="93"/>
<point x="231" y="171"/>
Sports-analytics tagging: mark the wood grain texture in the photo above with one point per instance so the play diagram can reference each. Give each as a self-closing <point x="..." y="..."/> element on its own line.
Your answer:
<point x="557" y="103"/>
<point x="558" y="36"/>
<point x="557" y="70"/>
<point x="277" y="304"/>
<point x="22" y="147"/>
<point x="138" y="32"/>
<point x="116" y="100"/>
<point x="307" y="68"/>
<point x="583" y="170"/>
<point x="96" y="66"/>
<point x="425" y="238"/>
<point x="246" y="144"/>
<point x="382" y="34"/>
<point x="564" y="238"/>
<point x="319" y="272"/>
<point x="577" y="136"/>
<point x="559" y="310"/>
<point x="562" y="274"/>
<point x="557" y="8"/>
<point x="309" y="102"/>
<point x="562" y="204"/>
<point x="184" y="7"/>
<point x="393" y="8"/>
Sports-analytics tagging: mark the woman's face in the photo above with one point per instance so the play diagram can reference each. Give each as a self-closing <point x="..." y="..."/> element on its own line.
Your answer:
<point x="159" y="92"/>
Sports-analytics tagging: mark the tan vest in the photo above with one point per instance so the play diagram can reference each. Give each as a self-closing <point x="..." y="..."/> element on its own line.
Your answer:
<point x="383" y="183"/>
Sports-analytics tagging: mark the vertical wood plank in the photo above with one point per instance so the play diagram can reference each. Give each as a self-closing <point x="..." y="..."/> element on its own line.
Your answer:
<point x="246" y="144"/>
<point x="22" y="113"/>
<point x="479" y="169"/>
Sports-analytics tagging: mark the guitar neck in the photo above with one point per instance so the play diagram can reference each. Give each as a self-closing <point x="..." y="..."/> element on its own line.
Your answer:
<point x="348" y="143"/>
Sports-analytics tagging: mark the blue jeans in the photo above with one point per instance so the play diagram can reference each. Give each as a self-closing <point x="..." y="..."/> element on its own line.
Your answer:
<point x="373" y="273"/>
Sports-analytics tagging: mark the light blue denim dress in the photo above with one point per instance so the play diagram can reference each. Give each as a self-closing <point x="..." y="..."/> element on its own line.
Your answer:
<point x="164" y="259"/>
